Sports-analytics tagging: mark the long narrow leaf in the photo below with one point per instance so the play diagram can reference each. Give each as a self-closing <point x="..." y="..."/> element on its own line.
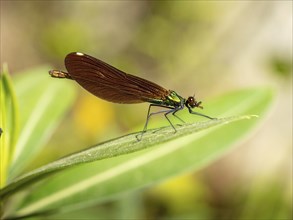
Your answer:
<point x="123" y="145"/>
<point x="9" y="122"/>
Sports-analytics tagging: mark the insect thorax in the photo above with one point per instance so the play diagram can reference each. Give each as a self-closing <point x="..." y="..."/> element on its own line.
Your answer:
<point x="173" y="99"/>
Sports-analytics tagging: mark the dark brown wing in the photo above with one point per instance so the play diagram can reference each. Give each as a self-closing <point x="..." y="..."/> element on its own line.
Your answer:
<point x="109" y="83"/>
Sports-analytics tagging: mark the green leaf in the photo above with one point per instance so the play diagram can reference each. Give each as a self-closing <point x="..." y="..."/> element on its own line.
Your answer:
<point x="43" y="102"/>
<point x="192" y="147"/>
<point x="9" y="122"/>
<point x="113" y="148"/>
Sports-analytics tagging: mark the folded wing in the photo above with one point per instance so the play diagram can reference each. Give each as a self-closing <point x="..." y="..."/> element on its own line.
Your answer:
<point x="109" y="83"/>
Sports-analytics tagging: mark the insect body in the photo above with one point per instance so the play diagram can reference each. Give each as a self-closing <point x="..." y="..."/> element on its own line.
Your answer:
<point x="111" y="84"/>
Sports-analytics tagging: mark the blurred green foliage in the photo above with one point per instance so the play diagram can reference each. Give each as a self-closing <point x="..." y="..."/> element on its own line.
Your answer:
<point x="63" y="37"/>
<point x="101" y="181"/>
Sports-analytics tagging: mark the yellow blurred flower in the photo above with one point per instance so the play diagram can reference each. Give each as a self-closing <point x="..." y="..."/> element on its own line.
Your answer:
<point x="93" y="115"/>
<point x="182" y="194"/>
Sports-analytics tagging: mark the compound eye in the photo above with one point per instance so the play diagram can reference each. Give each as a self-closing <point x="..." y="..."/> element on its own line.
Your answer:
<point x="191" y="101"/>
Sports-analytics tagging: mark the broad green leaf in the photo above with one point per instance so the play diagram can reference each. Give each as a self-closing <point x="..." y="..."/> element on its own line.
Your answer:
<point x="192" y="147"/>
<point x="38" y="94"/>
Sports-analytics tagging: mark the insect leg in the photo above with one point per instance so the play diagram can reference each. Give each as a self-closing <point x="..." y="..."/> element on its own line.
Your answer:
<point x="148" y="117"/>
<point x="196" y="113"/>
<point x="173" y="111"/>
<point x="178" y="109"/>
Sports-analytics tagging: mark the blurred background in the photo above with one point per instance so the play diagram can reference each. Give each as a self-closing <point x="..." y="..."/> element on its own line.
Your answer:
<point x="193" y="47"/>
